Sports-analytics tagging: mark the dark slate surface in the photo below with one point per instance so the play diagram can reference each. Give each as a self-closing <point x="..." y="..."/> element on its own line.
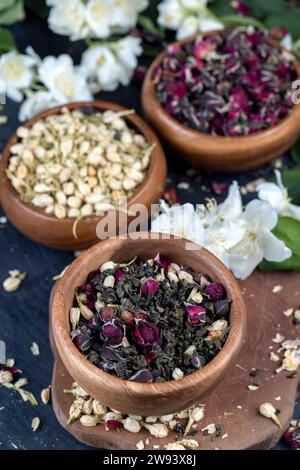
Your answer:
<point x="24" y="314"/>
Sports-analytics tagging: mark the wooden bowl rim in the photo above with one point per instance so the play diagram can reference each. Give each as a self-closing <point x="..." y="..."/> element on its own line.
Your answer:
<point x="149" y="88"/>
<point x="220" y="361"/>
<point x="135" y="120"/>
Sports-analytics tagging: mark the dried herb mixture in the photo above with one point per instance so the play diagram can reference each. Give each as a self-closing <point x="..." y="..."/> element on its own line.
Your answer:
<point x="149" y="321"/>
<point x="230" y="83"/>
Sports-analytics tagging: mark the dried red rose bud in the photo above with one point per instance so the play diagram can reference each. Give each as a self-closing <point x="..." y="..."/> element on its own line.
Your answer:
<point x="150" y="356"/>
<point x="161" y="262"/>
<point x="112" y="425"/>
<point x="220" y="188"/>
<point x="241" y="8"/>
<point x="147" y="334"/>
<point x="215" y="291"/>
<point x="150" y="286"/>
<point x="119" y="274"/>
<point x="141" y="316"/>
<point x="113" y="332"/>
<point x="107" y="313"/>
<point x="292" y="436"/>
<point x="196" y="315"/>
<point x="127" y="317"/>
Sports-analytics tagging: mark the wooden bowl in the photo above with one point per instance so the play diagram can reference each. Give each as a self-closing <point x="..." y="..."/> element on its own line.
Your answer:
<point x="217" y="153"/>
<point x="124" y="395"/>
<point x="58" y="233"/>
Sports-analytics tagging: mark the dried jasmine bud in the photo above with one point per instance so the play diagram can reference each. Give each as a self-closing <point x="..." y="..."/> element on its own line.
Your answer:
<point x="89" y="421"/>
<point x="131" y="425"/>
<point x="12" y="283"/>
<point x="157" y="430"/>
<point x="45" y="395"/>
<point x="35" y="423"/>
<point x="268" y="411"/>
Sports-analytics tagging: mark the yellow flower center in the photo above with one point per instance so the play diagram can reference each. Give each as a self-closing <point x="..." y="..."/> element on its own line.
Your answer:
<point x="13" y="69"/>
<point x="64" y="84"/>
<point x="101" y="60"/>
<point x="98" y="11"/>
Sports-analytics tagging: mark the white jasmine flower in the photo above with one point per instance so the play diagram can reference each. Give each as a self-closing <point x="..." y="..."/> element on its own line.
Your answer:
<point x="35" y="103"/>
<point x="181" y="221"/>
<point x="67" y="17"/>
<point x="229" y="210"/>
<point x="128" y="50"/>
<point x="277" y="196"/>
<point x="258" y="242"/>
<point x="126" y="13"/>
<point x="112" y="64"/>
<point x="16" y="71"/>
<point x="220" y="238"/>
<point x="103" y="68"/>
<point x="189" y="26"/>
<point x="208" y="22"/>
<point x="100" y="16"/>
<point x="64" y="81"/>
<point x="171" y="14"/>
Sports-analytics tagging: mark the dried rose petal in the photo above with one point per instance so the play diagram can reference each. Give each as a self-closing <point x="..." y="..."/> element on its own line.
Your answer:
<point x="142" y="376"/>
<point x="119" y="274"/>
<point x="220" y="188"/>
<point x="150" y="286"/>
<point x="112" y="425"/>
<point x="106" y="314"/>
<point x="147" y="334"/>
<point x="241" y="7"/>
<point x="292" y="436"/>
<point x="163" y="263"/>
<point x="196" y="315"/>
<point x="215" y="291"/>
<point x="113" y="333"/>
<point x="149" y="356"/>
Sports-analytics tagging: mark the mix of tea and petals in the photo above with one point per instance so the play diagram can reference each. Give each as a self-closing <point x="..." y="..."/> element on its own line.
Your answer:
<point x="234" y="82"/>
<point x="150" y="321"/>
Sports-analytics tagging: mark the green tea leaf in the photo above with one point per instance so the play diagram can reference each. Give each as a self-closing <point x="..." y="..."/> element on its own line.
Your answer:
<point x="295" y="151"/>
<point x="11" y="12"/>
<point x="239" y="20"/>
<point x="289" y="19"/>
<point x="287" y="230"/>
<point x="7" y="42"/>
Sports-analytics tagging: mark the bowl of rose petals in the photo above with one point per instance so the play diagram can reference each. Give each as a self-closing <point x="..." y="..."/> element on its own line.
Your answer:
<point x="224" y="100"/>
<point x="147" y="325"/>
<point x="67" y="168"/>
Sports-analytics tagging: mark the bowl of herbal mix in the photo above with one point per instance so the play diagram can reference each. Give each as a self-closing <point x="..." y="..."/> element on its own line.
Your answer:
<point x="223" y="100"/>
<point x="68" y="167"/>
<point x="148" y="325"/>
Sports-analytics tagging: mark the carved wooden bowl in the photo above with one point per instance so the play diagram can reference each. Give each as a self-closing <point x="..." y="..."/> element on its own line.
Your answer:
<point x="145" y="399"/>
<point x="59" y="233"/>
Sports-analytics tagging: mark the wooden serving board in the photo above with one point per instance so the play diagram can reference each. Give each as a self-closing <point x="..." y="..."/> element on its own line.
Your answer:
<point x="232" y="404"/>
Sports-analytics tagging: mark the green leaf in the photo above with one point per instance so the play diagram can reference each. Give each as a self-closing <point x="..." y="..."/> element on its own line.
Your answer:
<point x="295" y="151"/>
<point x="289" y="19"/>
<point x="261" y="8"/>
<point x="11" y="12"/>
<point x="221" y="7"/>
<point x="38" y="6"/>
<point x="239" y="20"/>
<point x="291" y="180"/>
<point x="152" y="12"/>
<point x="7" y="42"/>
<point x="147" y="24"/>
<point x="287" y="230"/>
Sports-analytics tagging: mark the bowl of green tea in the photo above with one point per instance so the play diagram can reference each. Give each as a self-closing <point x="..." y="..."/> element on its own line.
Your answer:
<point x="166" y="319"/>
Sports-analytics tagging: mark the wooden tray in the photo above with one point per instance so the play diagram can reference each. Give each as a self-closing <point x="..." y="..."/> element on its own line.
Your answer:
<point x="246" y="429"/>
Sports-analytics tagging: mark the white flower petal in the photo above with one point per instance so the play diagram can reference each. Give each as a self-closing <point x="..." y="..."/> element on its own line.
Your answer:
<point x="259" y="215"/>
<point x="274" y="249"/>
<point x="209" y="23"/>
<point x="242" y="265"/>
<point x="37" y="102"/>
<point x="171" y="14"/>
<point x="188" y="27"/>
<point x="271" y="193"/>
<point x="291" y="211"/>
<point x="67" y="17"/>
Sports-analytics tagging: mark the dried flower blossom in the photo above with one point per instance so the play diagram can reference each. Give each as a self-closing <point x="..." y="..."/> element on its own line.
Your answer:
<point x="229" y="84"/>
<point x="292" y="435"/>
<point x="268" y="411"/>
<point x="35" y="423"/>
